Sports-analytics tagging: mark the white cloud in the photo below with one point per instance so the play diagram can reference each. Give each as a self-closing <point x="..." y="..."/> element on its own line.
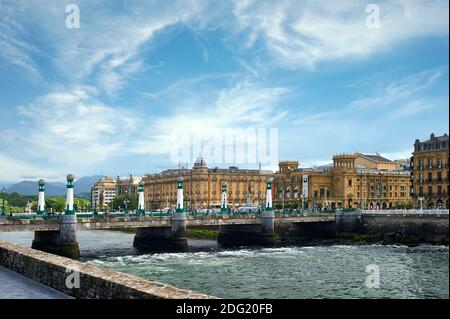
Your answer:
<point x="14" y="50"/>
<point x="13" y="170"/>
<point x="300" y="34"/>
<point x="71" y="126"/>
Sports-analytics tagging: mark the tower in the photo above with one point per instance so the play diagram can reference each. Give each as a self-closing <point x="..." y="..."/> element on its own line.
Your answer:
<point x="41" y="198"/>
<point x="269" y="195"/>
<point x="223" y="206"/>
<point x="69" y="199"/>
<point x="180" y="195"/>
<point x="141" y="202"/>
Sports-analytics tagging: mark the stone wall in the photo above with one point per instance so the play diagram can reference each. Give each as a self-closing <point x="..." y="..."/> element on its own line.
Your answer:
<point x="95" y="282"/>
<point x="409" y="229"/>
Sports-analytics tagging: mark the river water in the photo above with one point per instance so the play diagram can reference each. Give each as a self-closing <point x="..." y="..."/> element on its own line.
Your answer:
<point x="335" y="271"/>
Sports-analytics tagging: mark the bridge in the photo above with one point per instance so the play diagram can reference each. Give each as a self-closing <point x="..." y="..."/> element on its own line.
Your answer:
<point x="56" y="233"/>
<point x="166" y="231"/>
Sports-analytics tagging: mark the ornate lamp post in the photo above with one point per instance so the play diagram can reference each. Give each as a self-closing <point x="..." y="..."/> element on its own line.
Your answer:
<point x="421" y="203"/>
<point x="125" y="202"/>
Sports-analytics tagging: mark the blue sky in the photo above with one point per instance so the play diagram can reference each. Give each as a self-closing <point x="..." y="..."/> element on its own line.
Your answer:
<point x="113" y="96"/>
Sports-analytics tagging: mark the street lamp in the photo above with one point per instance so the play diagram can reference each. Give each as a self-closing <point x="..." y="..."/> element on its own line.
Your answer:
<point x="3" y="206"/>
<point x="125" y="202"/>
<point x="421" y="203"/>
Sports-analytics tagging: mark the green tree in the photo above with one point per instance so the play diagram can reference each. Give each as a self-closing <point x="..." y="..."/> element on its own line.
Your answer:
<point x="118" y="203"/>
<point x="55" y="204"/>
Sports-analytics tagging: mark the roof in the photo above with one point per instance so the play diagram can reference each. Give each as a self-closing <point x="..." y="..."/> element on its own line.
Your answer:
<point x="376" y="158"/>
<point x="200" y="162"/>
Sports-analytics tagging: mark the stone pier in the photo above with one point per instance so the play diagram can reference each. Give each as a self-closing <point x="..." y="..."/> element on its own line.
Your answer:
<point x="61" y="242"/>
<point x="253" y="235"/>
<point x="171" y="238"/>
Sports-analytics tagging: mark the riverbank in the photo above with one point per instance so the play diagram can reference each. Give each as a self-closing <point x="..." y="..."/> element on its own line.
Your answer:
<point x="192" y="233"/>
<point x="344" y="238"/>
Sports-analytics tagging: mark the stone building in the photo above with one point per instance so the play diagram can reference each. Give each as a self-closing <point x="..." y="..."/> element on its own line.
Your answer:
<point x="102" y="193"/>
<point x="351" y="181"/>
<point x="202" y="187"/>
<point x="429" y="175"/>
<point x="127" y="186"/>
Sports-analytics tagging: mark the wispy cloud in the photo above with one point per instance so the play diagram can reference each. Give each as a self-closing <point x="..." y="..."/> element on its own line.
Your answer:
<point x="301" y="34"/>
<point x="14" y="50"/>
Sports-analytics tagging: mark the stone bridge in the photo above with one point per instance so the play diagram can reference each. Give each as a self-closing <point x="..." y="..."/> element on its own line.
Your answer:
<point x="157" y="233"/>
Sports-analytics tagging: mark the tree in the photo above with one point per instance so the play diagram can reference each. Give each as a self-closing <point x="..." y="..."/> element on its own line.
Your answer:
<point x="118" y="203"/>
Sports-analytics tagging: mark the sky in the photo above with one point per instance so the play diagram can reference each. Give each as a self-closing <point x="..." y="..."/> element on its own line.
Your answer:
<point x="137" y="82"/>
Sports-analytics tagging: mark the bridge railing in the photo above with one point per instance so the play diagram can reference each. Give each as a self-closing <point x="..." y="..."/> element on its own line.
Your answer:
<point x="407" y="211"/>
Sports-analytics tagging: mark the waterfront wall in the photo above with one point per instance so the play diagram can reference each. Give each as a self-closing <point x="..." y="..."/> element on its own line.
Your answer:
<point x="409" y="227"/>
<point x="95" y="282"/>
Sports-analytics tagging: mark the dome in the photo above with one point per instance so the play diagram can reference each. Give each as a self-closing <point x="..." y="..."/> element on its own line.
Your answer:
<point x="70" y="178"/>
<point x="200" y="162"/>
<point x="41" y="182"/>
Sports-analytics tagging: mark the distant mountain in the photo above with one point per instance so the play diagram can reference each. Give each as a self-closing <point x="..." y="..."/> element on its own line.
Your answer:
<point x="57" y="189"/>
<point x="84" y="184"/>
<point x="31" y="188"/>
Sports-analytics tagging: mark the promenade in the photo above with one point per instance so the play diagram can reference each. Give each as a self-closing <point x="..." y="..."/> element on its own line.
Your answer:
<point x="16" y="286"/>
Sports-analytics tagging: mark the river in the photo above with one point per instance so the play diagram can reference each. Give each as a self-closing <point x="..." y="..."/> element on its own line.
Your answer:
<point x="333" y="271"/>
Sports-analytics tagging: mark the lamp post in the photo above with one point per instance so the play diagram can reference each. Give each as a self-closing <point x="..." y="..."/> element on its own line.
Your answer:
<point x="421" y="203"/>
<point x="125" y="202"/>
<point x="3" y="205"/>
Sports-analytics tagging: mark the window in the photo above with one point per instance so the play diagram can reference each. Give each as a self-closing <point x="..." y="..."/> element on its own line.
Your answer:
<point x="430" y="176"/>
<point x="439" y="176"/>
<point x="430" y="190"/>
<point x="349" y="182"/>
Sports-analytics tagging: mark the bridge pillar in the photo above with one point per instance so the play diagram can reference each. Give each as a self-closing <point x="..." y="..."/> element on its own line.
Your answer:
<point x="166" y="238"/>
<point x="61" y="242"/>
<point x="253" y="234"/>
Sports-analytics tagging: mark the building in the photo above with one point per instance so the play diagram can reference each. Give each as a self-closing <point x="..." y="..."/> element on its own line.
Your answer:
<point x="202" y="187"/>
<point x="351" y="181"/>
<point x="127" y="186"/>
<point x="374" y="161"/>
<point x="429" y="175"/>
<point x="102" y="193"/>
<point x="403" y="164"/>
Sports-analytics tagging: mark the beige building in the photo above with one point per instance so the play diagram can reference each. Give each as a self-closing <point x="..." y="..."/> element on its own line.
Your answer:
<point x="429" y="175"/>
<point x="351" y="181"/>
<point x="202" y="187"/>
<point x="102" y="193"/>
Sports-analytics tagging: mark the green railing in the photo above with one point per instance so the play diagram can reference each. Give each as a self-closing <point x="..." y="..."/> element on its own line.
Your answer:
<point x="134" y="214"/>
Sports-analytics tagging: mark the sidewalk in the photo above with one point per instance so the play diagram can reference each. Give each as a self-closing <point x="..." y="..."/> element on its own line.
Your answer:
<point x="15" y="286"/>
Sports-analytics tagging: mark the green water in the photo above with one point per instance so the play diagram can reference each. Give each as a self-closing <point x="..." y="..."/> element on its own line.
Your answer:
<point x="297" y="272"/>
<point x="290" y="272"/>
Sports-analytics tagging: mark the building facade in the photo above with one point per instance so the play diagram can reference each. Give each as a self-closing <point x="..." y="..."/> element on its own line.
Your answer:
<point x="102" y="193"/>
<point x="203" y="185"/>
<point x="127" y="186"/>
<point x="429" y="175"/>
<point x="351" y="181"/>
